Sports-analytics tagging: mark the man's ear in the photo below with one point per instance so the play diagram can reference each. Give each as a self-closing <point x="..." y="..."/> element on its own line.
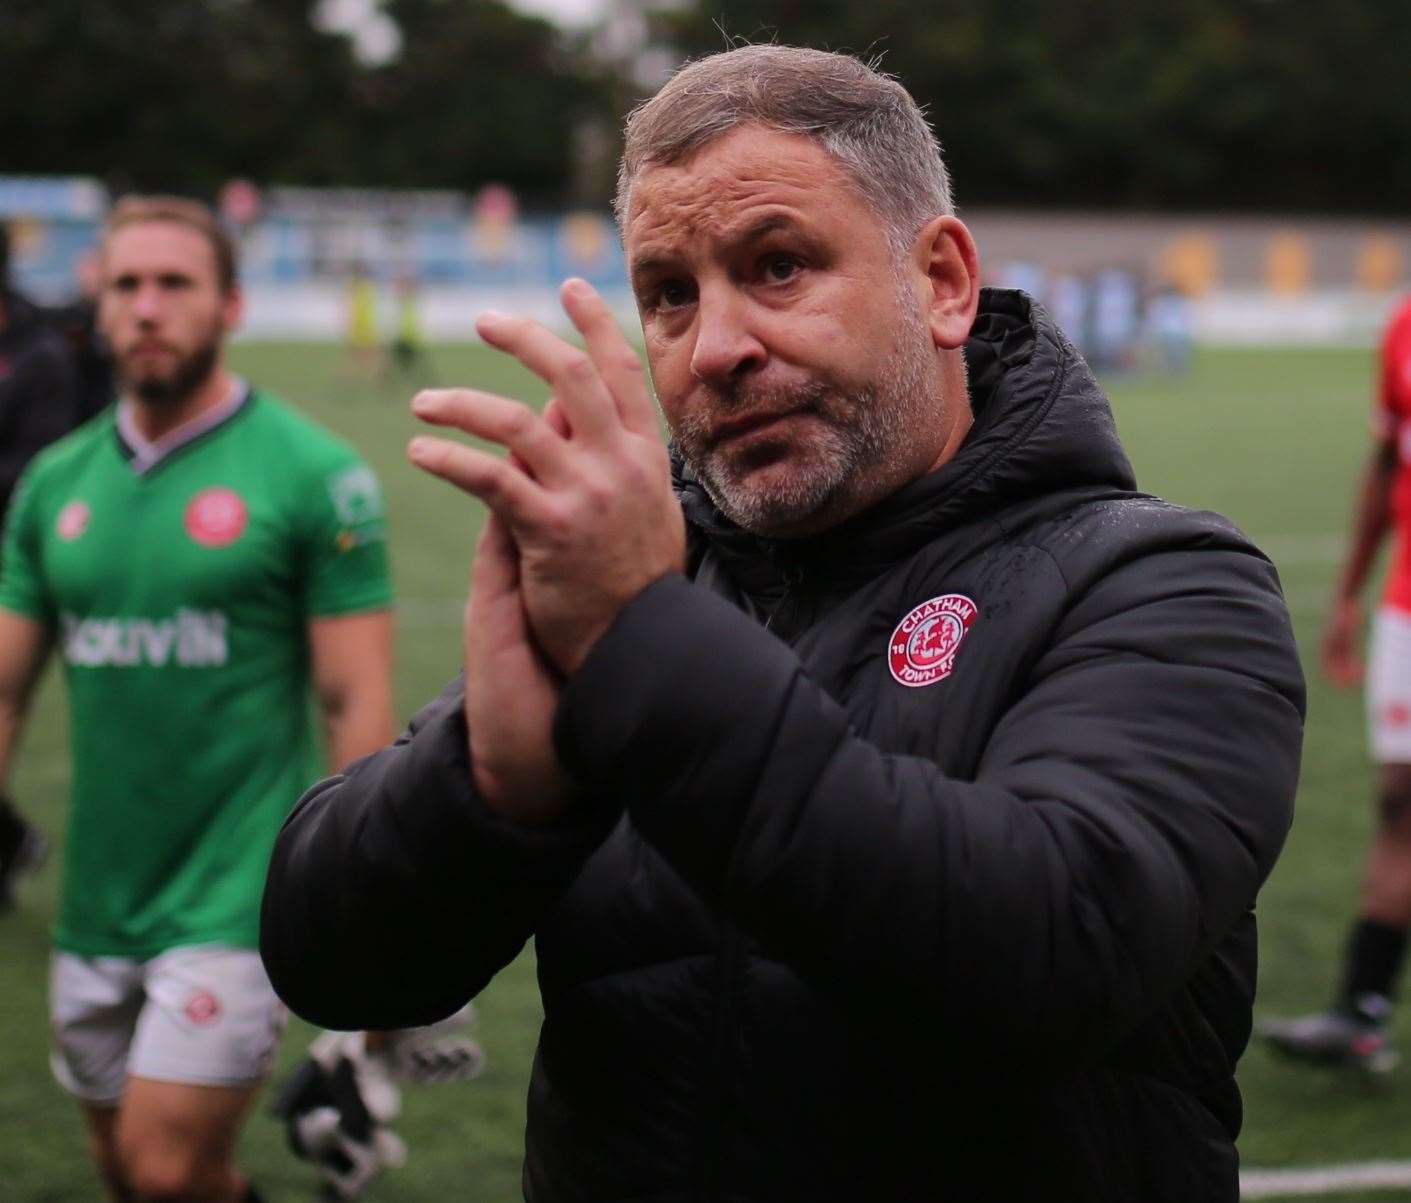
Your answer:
<point x="945" y="253"/>
<point x="232" y="308"/>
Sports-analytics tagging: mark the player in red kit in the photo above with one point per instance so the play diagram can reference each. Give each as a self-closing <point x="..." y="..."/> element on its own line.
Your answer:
<point x="1353" y="1031"/>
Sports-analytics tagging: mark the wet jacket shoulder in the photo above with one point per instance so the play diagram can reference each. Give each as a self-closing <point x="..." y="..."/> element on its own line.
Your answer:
<point x="931" y="838"/>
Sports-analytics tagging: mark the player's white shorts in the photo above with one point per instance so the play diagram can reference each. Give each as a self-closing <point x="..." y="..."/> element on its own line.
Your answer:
<point x="204" y="1015"/>
<point x="1389" y="687"/>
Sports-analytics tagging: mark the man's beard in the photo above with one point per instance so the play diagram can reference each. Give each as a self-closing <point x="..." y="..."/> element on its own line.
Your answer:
<point x="850" y="433"/>
<point x="172" y="389"/>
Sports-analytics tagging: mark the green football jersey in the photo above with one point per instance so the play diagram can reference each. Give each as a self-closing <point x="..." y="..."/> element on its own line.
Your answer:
<point x="179" y="594"/>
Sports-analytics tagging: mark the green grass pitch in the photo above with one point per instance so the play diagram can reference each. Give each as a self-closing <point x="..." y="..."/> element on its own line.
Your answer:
<point x="1272" y="438"/>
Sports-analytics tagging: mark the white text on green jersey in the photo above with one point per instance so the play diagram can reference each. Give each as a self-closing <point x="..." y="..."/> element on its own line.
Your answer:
<point x="190" y="639"/>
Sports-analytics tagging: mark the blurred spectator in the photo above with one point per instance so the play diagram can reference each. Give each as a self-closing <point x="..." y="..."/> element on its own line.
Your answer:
<point x="1069" y="301"/>
<point x="1116" y="318"/>
<point x="39" y="402"/>
<point x="1169" y="320"/>
<point x="39" y="385"/>
<point x="1024" y="275"/>
<point x="78" y="323"/>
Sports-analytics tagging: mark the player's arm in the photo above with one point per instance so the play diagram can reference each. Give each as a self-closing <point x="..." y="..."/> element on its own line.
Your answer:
<point x="1370" y="522"/>
<point x="351" y="657"/>
<point x="24" y="642"/>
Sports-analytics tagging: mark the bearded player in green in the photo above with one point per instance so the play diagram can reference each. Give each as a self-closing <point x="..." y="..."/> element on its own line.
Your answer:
<point x="203" y="558"/>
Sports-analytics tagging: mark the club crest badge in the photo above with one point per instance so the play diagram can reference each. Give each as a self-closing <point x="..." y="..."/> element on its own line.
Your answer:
<point x="203" y="1008"/>
<point x="216" y="517"/>
<point x="922" y="649"/>
<point x="72" y="520"/>
<point x="1396" y="714"/>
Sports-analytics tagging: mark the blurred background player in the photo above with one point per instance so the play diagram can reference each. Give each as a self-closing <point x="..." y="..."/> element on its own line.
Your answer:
<point x="364" y="349"/>
<point x="204" y="558"/>
<point x="1170" y="317"/>
<point x="40" y="400"/>
<point x="408" y="351"/>
<point x="1353" y="1030"/>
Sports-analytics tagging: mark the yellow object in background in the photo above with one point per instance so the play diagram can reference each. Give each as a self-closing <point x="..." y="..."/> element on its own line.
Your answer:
<point x="362" y="312"/>
<point x="1288" y="266"/>
<point x="1379" y="266"/>
<point x="1192" y="263"/>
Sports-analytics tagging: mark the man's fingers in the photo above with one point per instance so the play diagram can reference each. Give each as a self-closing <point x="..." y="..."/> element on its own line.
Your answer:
<point x="617" y="361"/>
<point x="553" y="415"/>
<point x="569" y="371"/>
<point x="536" y="443"/>
<point x="500" y="485"/>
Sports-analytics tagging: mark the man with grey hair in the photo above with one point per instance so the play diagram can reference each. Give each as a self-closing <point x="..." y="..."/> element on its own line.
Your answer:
<point x="885" y="782"/>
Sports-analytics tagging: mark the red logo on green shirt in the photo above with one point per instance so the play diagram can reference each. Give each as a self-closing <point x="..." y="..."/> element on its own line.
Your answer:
<point x="216" y="517"/>
<point x="73" y="520"/>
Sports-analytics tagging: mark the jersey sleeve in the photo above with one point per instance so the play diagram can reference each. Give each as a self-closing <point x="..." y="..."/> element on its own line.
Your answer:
<point x="346" y="568"/>
<point x="22" y="586"/>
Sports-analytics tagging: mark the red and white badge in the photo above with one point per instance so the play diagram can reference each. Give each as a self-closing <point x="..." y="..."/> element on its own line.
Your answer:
<point x="72" y="520"/>
<point x="203" y="1008"/>
<point x="216" y="517"/>
<point x="922" y="649"/>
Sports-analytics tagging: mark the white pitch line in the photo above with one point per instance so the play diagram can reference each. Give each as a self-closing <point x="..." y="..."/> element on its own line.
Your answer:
<point x="1325" y="1179"/>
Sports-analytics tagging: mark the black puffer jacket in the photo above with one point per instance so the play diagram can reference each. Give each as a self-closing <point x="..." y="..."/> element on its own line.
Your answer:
<point x="39" y="389"/>
<point x="823" y="935"/>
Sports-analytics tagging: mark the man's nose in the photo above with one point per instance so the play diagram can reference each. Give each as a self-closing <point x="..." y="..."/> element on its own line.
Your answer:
<point x="147" y="303"/>
<point x="727" y="344"/>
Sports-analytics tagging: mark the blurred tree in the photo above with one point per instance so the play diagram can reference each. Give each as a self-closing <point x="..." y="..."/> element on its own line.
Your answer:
<point x="479" y="93"/>
<point x="1280" y="104"/>
<point x="183" y="94"/>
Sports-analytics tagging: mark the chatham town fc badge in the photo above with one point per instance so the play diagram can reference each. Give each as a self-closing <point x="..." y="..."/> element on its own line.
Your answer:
<point x="203" y="1008"/>
<point x="922" y="649"/>
<point x="216" y="517"/>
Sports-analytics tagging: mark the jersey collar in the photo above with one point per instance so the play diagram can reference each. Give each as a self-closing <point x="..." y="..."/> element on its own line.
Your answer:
<point x="143" y="455"/>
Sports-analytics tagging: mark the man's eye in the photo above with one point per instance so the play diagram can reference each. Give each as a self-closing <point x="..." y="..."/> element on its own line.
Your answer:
<point x="779" y="268"/>
<point x="672" y="295"/>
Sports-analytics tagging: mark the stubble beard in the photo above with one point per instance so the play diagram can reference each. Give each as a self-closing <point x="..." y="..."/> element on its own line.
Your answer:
<point x="855" y="439"/>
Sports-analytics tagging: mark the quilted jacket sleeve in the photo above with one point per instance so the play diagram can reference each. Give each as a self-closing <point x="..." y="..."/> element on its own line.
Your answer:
<point x="376" y="870"/>
<point x="1130" y="802"/>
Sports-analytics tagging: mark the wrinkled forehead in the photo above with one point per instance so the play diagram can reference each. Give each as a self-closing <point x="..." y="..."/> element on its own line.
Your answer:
<point x="724" y="183"/>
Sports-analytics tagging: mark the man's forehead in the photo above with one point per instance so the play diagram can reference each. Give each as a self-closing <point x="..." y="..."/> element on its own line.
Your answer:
<point x="726" y="186"/>
<point x="158" y="245"/>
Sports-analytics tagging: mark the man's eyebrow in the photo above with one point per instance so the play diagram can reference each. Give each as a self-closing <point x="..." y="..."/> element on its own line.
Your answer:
<point x="766" y="225"/>
<point x="649" y="263"/>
